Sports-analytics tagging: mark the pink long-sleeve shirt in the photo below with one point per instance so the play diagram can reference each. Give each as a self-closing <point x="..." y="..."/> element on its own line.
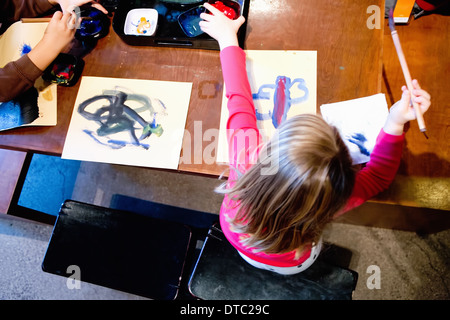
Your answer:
<point x="376" y="176"/>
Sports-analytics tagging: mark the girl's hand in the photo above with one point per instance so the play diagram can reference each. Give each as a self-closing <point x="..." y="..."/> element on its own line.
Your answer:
<point x="402" y="111"/>
<point x="221" y="28"/>
<point x="70" y="5"/>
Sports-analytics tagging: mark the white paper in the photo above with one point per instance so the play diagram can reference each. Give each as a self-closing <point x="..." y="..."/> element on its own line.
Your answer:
<point x="12" y="42"/>
<point x="18" y="35"/>
<point x="263" y="68"/>
<point x="169" y="101"/>
<point x="359" y="122"/>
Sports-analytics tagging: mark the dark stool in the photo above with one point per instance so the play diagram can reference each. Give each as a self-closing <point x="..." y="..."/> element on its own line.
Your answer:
<point x="118" y="249"/>
<point x="222" y="274"/>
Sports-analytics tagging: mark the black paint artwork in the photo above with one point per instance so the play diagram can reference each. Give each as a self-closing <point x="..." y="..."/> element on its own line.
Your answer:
<point x="117" y="116"/>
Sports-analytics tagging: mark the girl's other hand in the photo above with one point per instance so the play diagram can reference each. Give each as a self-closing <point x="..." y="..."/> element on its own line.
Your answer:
<point x="402" y="111"/>
<point x="220" y="27"/>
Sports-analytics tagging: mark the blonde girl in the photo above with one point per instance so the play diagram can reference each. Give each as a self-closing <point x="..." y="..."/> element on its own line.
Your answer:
<point x="276" y="207"/>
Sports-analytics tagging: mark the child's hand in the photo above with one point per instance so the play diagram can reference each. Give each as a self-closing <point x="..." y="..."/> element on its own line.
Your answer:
<point x="221" y="28"/>
<point x="59" y="33"/>
<point x="402" y="111"/>
<point x="61" y="30"/>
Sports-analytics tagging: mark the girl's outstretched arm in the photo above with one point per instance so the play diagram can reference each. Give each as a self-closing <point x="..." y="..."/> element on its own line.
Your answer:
<point x="242" y="132"/>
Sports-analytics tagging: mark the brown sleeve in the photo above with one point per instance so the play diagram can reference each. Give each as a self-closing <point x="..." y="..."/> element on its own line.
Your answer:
<point x="13" y="10"/>
<point x="16" y="77"/>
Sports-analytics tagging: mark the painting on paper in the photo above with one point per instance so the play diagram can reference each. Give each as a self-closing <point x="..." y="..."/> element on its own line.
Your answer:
<point x="283" y="84"/>
<point x="19" y="39"/>
<point x="37" y="106"/>
<point x="128" y="121"/>
<point x="359" y="122"/>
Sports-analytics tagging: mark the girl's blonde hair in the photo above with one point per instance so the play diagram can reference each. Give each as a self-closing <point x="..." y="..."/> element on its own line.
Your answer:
<point x="289" y="208"/>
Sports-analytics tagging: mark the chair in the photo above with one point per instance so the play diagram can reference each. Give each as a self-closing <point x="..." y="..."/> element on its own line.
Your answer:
<point x="119" y="249"/>
<point x="152" y="253"/>
<point x="222" y="274"/>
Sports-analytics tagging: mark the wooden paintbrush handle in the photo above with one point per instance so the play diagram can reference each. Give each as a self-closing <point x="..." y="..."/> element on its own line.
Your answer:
<point x="408" y="80"/>
<point x="31" y="20"/>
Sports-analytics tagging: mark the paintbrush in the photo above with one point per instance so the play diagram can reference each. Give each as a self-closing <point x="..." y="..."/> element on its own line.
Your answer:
<point x="406" y="73"/>
<point x="31" y="20"/>
<point x="45" y="19"/>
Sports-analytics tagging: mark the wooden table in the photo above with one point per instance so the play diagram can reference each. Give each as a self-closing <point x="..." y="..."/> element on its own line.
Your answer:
<point x="351" y="64"/>
<point x="423" y="179"/>
<point x="315" y="25"/>
<point x="419" y="197"/>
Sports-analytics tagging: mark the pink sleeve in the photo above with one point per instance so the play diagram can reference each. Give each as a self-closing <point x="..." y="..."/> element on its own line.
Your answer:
<point x="242" y="131"/>
<point x="379" y="172"/>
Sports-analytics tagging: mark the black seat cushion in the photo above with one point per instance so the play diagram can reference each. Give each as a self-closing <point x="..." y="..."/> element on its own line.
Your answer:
<point x="118" y="249"/>
<point x="222" y="274"/>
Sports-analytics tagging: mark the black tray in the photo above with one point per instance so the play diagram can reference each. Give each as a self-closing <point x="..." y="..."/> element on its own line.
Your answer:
<point x="168" y="31"/>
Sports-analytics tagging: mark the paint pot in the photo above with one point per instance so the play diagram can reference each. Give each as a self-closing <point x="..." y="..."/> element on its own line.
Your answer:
<point x="230" y="8"/>
<point x="94" y="24"/>
<point x="65" y="70"/>
<point x="189" y="21"/>
<point x="141" y="22"/>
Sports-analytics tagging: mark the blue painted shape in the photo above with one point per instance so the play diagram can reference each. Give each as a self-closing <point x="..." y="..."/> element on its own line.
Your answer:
<point x="10" y="115"/>
<point x="281" y="98"/>
<point x="25" y="49"/>
<point x="359" y="140"/>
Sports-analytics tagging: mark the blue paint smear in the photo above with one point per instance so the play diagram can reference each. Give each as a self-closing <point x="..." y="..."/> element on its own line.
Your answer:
<point x="25" y="49"/>
<point x="10" y="115"/>
<point x="121" y="143"/>
<point x="113" y="143"/>
<point x="359" y="139"/>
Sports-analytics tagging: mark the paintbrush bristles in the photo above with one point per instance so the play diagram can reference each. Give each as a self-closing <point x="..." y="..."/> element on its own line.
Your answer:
<point x="391" y="20"/>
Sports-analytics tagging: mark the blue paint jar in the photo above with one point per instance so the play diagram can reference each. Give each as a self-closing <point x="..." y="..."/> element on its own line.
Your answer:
<point x="189" y="21"/>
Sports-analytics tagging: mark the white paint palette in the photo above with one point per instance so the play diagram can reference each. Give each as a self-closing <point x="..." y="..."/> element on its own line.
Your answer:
<point x="141" y="22"/>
